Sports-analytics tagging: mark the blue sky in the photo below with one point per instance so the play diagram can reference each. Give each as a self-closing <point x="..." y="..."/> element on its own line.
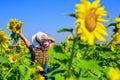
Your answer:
<point x="47" y="15"/>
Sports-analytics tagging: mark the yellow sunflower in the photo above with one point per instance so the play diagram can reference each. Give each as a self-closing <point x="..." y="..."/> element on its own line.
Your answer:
<point x="89" y="18"/>
<point x="14" y="26"/>
<point x="37" y="69"/>
<point x="116" y="35"/>
<point x="13" y="58"/>
<point x="117" y="19"/>
<point x="4" y="39"/>
<point x="114" y="74"/>
<point x="69" y="38"/>
<point x="78" y="55"/>
<point x="112" y="45"/>
<point x="40" y="77"/>
<point x="21" y="44"/>
<point x="118" y="26"/>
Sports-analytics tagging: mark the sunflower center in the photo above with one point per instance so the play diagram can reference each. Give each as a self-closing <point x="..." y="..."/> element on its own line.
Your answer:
<point x="18" y="27"/>
<point x="14" y="58"/>
<point x="91" y="21"/>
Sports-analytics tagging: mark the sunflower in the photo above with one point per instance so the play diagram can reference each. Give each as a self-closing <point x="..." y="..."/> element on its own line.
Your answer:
<point x="4" y="39"/>
<point x="23" y="47"/>
<point x="40" y="77"/>
<point x="21" y="44"/>
<point x="14" y="26"/>
<point x="13" y="58"/>
<point x="117" y="19"/>
<point x="112" y="46"/>
<point x="78" y="55"/>
<point x="116" y="35"/>
<point x="114" y="74"/>
<point x="69" y="38"/>
<point x="37" y="69"/>
<point x="89" y="18"/>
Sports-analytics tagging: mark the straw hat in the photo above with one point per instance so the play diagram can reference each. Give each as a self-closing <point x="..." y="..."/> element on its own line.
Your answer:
<point x="38" y="37"/>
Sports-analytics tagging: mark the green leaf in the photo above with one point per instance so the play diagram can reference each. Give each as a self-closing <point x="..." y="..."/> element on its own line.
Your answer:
<point x="86" y="78"/>
<point x="15" y="37"/>
<point x="28" y="74"/>
<point x="22" y="70"/>
<point x="59" y="77"/>
<point x="3" y="60"/>
<point x="72" y="15"/>
<point x="65" y="30"/>
<point x="12" y="35"/>
<point x="87" y="64"/>
<point x="112" y="24"/>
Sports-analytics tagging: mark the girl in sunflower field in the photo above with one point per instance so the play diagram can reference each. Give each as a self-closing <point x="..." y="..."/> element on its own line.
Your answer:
<point x="40" y="45"/>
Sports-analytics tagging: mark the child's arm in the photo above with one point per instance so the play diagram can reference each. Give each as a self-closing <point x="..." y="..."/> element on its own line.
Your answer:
<point x="52" y="41"/>
<point x="24" y="39"/>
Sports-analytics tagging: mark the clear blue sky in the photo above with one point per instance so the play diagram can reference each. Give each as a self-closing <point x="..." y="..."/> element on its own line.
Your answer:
<point x="47" y="15"/>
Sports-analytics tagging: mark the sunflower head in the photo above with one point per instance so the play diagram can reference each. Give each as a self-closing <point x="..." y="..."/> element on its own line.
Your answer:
<point x="114" y="73"/>
<point x="117" y="19"/>
<point x="11" y="25"/>
<point x="18" y="27"/>
<point x="89" y="17"/>
<point x="14" y="26"/>
<point x="37" y="69"/>
<point x="78" y="55"/>
<point x="40" y="77"/>
<point x="116" y="35"/>
<point x="13" y="58"/>
<point x="21" y="44"/>
<point x="4" y="39"/>
<point x="69" y="38"/>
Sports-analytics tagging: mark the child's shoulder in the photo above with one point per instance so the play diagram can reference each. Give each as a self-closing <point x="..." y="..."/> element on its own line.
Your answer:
<point x="31" y="46"/>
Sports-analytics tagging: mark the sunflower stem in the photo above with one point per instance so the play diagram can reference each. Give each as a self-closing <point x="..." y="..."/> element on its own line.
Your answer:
<point x="87" y="49"/>
<point x="72" y="53"/>
<point x="7" y="73"/>
<point x="0" y="51"/>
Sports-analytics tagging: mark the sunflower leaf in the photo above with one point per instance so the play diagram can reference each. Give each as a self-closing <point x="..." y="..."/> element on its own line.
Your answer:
<point x="3" y="60"/>
<point x="72" y="15"/>
<point x="112" y="24"/>
<point x="65" y="30"/>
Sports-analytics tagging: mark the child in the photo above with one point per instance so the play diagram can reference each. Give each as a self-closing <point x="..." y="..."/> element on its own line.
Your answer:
<point x="40" y="44"/>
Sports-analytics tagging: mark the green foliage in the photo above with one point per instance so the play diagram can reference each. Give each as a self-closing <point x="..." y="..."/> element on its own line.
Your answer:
<point x="3" y="60"/>
<point x="15" y="37"/>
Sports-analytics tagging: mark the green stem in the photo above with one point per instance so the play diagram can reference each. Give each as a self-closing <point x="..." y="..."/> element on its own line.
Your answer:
<point x="80" y="72"/>
<point x="87" y="49"/>
<point x="1" y="50"/>
<point x="57" y="69"/>
<point x="7" y="73"/>
<point x="72" y="53"/>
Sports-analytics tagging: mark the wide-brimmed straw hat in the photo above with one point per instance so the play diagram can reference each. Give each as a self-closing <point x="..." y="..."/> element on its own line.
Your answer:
<point x="37" y="38"/>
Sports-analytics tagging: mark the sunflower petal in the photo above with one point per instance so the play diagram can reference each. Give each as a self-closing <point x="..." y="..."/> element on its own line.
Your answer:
<point x="101" y="31"/>
<point x="102" y="20"/>
<point x="99" y="36"/>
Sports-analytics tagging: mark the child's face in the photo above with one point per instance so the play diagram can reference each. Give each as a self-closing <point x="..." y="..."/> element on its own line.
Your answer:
<point x="44" y="43"/>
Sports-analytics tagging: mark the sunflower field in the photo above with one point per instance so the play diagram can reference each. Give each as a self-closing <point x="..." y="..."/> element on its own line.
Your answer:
<point x="84" y="55"/>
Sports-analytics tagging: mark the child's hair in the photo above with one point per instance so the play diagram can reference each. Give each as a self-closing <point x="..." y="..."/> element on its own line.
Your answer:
<point x="40" y="54"/>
